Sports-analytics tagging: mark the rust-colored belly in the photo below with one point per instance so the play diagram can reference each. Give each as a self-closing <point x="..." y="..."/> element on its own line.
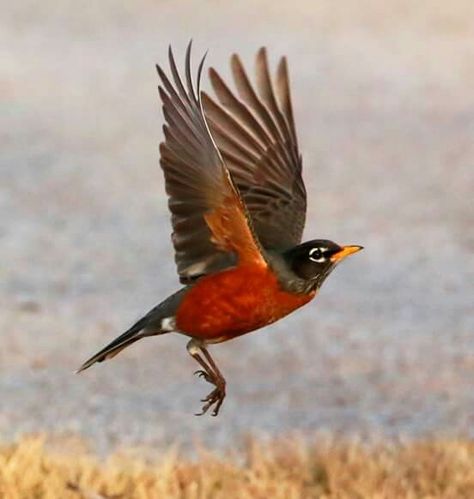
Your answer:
<point x="234" y="302"/>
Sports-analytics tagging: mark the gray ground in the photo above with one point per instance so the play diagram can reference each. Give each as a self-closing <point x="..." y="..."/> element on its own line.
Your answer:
<point x="384" y="100"/>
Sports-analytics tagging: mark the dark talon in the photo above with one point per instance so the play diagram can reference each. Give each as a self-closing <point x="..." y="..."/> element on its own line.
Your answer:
<point x="203" y="374"/>
<point x="216" y="397"/>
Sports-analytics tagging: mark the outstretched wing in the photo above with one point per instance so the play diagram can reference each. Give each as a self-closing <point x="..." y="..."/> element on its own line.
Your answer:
<point x="210" y="226"/>
<point x="256" y="135"/>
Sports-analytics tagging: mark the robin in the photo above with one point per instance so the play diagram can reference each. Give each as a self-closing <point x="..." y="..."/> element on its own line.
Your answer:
<point x="238" y="205"/>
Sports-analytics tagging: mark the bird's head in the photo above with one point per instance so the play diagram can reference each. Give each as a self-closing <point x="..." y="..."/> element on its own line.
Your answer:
<point x="314" y="260"/>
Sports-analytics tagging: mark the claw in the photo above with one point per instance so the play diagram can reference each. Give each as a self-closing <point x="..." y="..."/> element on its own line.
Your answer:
<point x="216" y="397"/>
<point x="203" y="374"/>
<point x="215" y="412"/>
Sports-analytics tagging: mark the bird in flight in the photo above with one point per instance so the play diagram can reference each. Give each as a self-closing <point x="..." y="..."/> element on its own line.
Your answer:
<point x="232" y="172"/>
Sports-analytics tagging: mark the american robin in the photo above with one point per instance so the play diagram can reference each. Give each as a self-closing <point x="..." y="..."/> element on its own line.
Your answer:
<point x="238" y="206"/>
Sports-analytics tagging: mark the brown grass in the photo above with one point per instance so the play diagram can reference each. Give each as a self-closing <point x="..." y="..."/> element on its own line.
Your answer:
<point x="283" y="469"/>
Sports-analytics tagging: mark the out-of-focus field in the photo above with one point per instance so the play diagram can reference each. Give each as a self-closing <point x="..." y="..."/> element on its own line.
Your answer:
<point x="281" y="470"/>
<point x="384" y="102"/>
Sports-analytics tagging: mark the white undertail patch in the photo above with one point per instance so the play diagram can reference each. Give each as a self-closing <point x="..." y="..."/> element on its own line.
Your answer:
<point x="168" y="324"/>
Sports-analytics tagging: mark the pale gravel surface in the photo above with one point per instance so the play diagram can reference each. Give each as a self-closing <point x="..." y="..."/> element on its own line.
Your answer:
<point x="384" y="100"/>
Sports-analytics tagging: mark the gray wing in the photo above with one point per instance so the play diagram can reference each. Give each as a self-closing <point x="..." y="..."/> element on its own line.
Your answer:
<point x="210" y="226"/>
<point x="256" y="135"/>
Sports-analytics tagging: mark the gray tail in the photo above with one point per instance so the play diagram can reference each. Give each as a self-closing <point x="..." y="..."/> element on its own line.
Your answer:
<point x="124" y="340"/>
<point x="149" y="325"/>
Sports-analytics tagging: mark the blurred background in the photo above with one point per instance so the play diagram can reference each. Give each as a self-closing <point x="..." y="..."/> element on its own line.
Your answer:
<point x="384" y="102"/>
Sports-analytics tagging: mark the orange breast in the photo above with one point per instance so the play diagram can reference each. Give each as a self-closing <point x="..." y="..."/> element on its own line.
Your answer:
<point x="234" y="302"/>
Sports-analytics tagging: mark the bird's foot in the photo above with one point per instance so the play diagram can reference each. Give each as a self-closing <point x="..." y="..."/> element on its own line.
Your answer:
<point x="210" y="372"/>
<point x="216" y="397"/>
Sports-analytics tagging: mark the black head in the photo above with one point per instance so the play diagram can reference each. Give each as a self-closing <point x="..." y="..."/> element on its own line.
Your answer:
<point x="314" y="260"/>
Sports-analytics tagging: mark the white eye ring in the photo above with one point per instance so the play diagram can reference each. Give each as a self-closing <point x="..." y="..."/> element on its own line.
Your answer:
<point x="321" y="258"/>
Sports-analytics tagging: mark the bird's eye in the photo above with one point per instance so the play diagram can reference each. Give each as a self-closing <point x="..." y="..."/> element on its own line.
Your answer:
<point x="316" y="255"/>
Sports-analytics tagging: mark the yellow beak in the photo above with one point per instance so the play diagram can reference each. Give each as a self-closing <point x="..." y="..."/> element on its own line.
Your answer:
<point x="345" y="251"/>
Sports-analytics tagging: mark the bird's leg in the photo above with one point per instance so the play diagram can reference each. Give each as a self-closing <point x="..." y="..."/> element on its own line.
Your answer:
<point x="211" y="373"/>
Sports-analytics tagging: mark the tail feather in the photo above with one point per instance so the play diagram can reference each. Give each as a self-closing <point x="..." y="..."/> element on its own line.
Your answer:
<point x="116" y="346"/>
<point x="149" y="325"/>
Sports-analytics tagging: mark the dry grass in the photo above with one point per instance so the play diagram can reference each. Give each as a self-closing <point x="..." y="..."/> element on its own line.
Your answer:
<point x="283" y="469"/>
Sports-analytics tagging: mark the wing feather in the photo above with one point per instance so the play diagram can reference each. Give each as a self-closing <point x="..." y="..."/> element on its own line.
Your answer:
<point x="210" y="227"/>
<point x="256" y="135"/>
